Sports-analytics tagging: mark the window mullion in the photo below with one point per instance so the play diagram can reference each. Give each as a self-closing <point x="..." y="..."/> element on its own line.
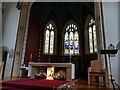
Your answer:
<point x="49" y="42"/>
<point x="74" y="41"/>
<point x="69" y="42"/>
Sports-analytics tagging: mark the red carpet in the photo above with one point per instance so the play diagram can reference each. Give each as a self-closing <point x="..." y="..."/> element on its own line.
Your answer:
<point x="32" y="84"/>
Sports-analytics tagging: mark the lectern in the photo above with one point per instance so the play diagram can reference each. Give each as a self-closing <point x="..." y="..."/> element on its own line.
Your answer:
<point x="114" y="51"/>
<point x="108" y="51"/>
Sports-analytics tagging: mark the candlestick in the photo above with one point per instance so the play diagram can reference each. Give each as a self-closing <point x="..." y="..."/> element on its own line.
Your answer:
<point x="70" y="57"/>
<point x="30" y="57"/>
<point x="49" y="60"/>
<point x="70" y="54"/>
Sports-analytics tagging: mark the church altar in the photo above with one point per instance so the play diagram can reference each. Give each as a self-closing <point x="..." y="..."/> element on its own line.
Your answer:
<point x="70" y="68"/>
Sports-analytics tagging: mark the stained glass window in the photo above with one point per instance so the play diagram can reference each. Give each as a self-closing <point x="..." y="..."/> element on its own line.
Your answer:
<point x="49" y="39"/>
<point x="71" y="41"/>
<point x="92" y="36"/>
<point x="52" y="42"/>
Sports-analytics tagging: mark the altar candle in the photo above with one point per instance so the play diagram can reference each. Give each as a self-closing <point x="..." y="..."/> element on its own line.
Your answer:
<point x="70" y="53"/>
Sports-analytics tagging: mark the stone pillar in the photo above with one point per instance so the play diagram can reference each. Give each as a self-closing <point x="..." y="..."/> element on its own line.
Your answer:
<point x="100" y="33"/>
<point x="98" y="27"/>
<point x="24" y="8"/>
<point x="26" y="32"/>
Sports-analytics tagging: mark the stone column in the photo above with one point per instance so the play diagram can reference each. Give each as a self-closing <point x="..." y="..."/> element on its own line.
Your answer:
<point x="98" y="27"/>
<point x="24" y="8"/>
<point x="100" y="33"/>
<point x="26" y="32"/>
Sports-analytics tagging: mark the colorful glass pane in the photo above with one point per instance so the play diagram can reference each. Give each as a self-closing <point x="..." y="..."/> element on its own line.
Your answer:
<point x="71" y="45"/>
<point x="94" y="35"/>
<point x="76" y="43"/>
<point x="51" y="42"/>
<point x="90" y="40"/>
<point x="66" y="44"/>
<point x="71" y="41"/>
<point x="47" y="41"/>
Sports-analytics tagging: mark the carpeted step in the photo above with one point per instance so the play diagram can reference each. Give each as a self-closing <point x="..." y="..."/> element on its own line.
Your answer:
<point x="10" y="88"/>
<point x="32" y="84"/>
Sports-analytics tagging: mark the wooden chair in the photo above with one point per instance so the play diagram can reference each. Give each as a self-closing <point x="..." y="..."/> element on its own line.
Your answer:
<point x="96" y="69"/>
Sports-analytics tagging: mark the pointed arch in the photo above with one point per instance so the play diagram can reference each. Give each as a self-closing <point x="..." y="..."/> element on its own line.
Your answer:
<point x="4" y="51"/>
<point x="68" y="15"/>
<point x="71" y="39"/>
<point x="4" y="48"/>
<point x="49" y="37"/>
<point x="90" y="35"/>
<point x="51" y="11"/>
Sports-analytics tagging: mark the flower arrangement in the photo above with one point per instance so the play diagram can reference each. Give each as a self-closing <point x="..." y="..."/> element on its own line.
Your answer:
<point x="40" y="75"/>
<point x="60" y="75"/>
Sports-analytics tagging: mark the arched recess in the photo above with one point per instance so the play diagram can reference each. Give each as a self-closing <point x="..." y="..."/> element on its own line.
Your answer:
<point x="32" y="37"/>
<point x="71" y="44"/>
<point x="87" y="50"/>
<point x="50" y="18"/>
<point x="49" y="38"/>
<point x="68" y="15"/>
<point x="5" y="51"/>
<point x="68" y="19"/>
